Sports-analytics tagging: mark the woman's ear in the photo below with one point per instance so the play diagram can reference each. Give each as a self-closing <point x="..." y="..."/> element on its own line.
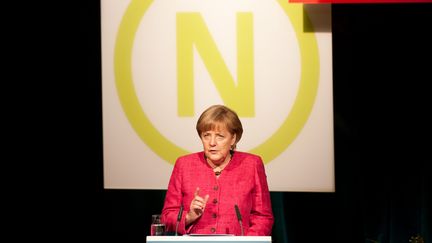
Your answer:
<point x="233" y="140"/>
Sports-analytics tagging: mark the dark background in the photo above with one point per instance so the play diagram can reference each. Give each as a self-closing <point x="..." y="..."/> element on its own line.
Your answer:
<point x="381" y="72"/>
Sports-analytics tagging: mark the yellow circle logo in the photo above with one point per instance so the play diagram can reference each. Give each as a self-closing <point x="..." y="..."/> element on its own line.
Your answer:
<point x="167" y="150"/>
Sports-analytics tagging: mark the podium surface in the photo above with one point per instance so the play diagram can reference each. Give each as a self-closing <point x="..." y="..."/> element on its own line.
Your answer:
<point x="208" y="238"/>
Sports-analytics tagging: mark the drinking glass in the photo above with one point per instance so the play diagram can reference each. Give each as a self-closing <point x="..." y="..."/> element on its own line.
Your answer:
<point x="157" y="227"/>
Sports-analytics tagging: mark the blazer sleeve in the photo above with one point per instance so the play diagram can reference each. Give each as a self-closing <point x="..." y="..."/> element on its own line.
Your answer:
<point x="261" y="218"/>
<point x="173" y="200"/>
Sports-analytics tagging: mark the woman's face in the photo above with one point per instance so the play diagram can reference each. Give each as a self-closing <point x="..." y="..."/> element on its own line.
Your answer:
<point x="217" y="144"/>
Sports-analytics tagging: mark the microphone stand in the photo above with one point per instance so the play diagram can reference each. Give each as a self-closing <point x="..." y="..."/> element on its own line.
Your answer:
<point x="177" y="224"/>
<point x="241" y="227"/>
<point x="178" y="219"/>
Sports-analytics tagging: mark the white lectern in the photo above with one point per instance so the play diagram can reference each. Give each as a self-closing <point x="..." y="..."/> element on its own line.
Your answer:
<point x="209" y="239"/>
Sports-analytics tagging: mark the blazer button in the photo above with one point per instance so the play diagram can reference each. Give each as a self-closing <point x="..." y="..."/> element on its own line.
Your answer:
<point x="215" y="188"/>
<point x="214" y="215"/>
<point x="215" y="201"/>
<point x="213" y="230"/>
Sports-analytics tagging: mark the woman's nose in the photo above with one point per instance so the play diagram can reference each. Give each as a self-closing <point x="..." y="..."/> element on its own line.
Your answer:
<point x="213" y="141"/>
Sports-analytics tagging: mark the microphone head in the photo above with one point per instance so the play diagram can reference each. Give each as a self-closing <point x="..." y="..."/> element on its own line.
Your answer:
<point x="180" y="213"/>
<point x="239" y="217"/>
<point x="179" y="218"/>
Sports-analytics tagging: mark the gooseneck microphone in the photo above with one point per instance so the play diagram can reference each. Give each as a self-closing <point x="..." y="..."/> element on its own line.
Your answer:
<point x="239" y="218"/>
<point x="179" y="216"/>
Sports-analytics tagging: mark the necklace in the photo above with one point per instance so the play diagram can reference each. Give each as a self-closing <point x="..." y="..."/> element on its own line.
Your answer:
<point x="218" y="169"/>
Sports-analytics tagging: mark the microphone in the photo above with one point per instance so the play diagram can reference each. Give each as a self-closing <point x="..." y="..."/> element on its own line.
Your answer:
<point x="239" y="218"/>
<point x="179" y="216"/>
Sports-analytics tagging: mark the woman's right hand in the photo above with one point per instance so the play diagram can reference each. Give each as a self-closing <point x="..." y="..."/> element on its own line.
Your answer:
<point x="197" y="207"/>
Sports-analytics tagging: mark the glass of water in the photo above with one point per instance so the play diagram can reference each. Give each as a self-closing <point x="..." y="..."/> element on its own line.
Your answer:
<point x="157" y="227"/>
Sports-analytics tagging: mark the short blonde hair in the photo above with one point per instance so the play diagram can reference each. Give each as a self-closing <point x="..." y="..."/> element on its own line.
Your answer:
<point x="217" y="115"/>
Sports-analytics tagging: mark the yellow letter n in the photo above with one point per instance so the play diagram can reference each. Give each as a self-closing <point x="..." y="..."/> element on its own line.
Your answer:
<point x="192" y="31"/>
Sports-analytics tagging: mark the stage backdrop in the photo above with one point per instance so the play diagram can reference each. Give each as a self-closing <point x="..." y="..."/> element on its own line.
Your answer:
<point x="165" y="61"/>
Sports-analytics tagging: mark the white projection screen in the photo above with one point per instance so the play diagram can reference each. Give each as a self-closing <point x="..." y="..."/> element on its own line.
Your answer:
<point x="165" y="61"/>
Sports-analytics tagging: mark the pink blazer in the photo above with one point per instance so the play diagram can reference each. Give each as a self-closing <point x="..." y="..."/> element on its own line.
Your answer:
<point x="242" y="182"/>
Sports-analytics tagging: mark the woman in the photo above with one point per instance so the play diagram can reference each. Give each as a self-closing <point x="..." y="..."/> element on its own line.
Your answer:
<point x="210" y="183"/>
